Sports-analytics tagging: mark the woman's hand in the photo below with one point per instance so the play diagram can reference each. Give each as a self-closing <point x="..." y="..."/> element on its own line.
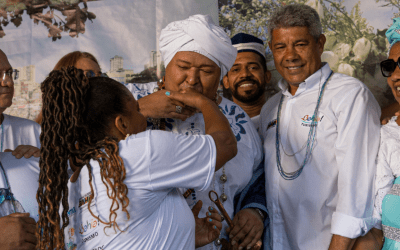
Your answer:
<point x="190" y="98"/>
<point x="159" y="105"/>
<point x="24" y="150"/>
<point x="207" y="228"/>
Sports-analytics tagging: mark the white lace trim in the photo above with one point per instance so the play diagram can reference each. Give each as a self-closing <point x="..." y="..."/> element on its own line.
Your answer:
<point x="388" y="162"/>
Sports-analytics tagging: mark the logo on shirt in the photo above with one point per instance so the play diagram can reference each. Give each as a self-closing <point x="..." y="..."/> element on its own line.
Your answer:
<point x="308" y="119"/>
<point x="71" y="212"/>
<point x="90" y="237"/>
<point x="85" y="199"/>
<point x="71" y="246"/>
<point x="88" y="226"/>
<point x="71" y="233"/>
<point x="271" y="124"/>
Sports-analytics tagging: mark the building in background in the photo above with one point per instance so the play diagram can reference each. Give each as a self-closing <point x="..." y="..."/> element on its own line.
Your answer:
<point x="116" y="63"/>
<point x="27" y="100"/>
<point x="117" y="71"/>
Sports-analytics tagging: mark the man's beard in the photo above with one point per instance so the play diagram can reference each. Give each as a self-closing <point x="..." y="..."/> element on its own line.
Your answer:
<point x="248" y="98"/>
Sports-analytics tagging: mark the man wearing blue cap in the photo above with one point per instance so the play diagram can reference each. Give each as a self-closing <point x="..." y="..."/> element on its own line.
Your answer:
<point x="247" y="78"/>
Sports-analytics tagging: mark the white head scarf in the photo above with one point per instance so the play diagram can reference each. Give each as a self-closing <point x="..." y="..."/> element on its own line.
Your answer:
<point x="199" y="34"/>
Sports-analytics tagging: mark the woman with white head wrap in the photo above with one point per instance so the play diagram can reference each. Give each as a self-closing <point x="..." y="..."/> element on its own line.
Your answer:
<point x="197" y="54"/>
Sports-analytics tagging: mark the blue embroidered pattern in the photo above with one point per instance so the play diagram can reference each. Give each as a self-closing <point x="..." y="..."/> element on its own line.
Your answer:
<point x="193" y="130"/>
<point x="139" y="93"/>
<point x="236" y="121"/>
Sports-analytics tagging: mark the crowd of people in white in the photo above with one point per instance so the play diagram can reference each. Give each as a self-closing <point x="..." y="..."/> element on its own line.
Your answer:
<point x="113" y="166"/>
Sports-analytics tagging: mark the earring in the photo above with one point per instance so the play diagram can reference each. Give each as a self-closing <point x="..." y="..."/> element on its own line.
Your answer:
<point x="127" y="135"/>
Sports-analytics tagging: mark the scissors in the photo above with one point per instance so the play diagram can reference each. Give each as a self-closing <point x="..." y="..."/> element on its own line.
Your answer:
<point x="221" y="208"/>
<point x="218" y="203"/>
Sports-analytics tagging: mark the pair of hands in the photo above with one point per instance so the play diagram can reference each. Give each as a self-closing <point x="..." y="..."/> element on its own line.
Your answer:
<point x="246" y="232"/>
<point x="17" y="231"/>
<point x="159" y="105"/>
<point x="24" y="150"/>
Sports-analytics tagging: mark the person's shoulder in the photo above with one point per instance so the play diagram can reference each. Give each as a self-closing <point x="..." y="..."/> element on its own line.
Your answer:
<point x="347" y="89"/>
<point x="229" y="108"/>
<point x="140" y="90"/>
<point x="20" y="122"/>
<point x="271" y="103"/>
<point x="241" y="124"/>
<point x="390" y="131"/>
<point x="345" y="82"/>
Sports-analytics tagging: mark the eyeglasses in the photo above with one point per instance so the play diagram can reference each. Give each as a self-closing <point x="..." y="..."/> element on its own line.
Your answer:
<point x="90" y="73"/>
<point x="14" y="73"/>
<point x="388" y="66"/>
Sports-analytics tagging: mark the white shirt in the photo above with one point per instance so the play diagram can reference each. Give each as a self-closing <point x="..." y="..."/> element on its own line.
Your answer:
<point x="256" y="121"/>
<point x="334" y="193"/>
<point x="388" y="167"/>
<point x="16" y="131"/>
<point x="156" y="163"/>
<point x="239" y="170"/>
<point x="23" y="176"/>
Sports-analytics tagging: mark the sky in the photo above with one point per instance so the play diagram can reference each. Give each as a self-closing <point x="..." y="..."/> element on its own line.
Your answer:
<point x="122" y="27"/>
<point x="377" y="16"/>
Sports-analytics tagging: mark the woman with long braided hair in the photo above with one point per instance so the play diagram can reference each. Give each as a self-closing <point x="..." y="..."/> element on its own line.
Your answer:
<point x="123" y="193"/>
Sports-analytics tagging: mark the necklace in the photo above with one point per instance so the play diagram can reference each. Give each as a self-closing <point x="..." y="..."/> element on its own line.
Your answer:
<point x="10" y="194"/>
<point x="2" y="132"/>
<point x="310" y="140"/>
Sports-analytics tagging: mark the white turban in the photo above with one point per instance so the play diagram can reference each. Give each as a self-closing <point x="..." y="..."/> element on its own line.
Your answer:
<point x="199" y="34"/>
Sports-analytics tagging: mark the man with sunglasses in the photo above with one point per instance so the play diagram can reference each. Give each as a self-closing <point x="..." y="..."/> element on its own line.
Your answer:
<point x="321" y="138"/>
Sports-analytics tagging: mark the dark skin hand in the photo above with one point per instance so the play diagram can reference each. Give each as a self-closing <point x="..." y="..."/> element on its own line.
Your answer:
<point x="17" y="231"/>
<point x="158" y="105"/>
<point x="373" y="240"/>
<point x="206" y="231"/>
<point x="24" y="150"/>
<point x="247" y="230"/>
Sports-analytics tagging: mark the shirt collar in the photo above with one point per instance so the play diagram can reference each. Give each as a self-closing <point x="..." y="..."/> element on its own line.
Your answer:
<point x="311" y="82"/>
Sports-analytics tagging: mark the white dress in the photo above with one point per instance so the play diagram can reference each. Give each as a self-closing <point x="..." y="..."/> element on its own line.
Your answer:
<point x="388" y="167"/>
<point x="157" y="163"/>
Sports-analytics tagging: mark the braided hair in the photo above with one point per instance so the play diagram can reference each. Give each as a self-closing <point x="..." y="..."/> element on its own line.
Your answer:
<point x="77" y="114"/>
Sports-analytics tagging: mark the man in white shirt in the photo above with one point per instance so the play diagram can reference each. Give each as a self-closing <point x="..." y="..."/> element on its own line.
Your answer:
<point x="14" y="131"/>
<point x="248" y="77"/>
<point x="321" y="138"/>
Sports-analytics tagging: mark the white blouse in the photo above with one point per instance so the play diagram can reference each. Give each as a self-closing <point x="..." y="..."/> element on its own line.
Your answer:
<point x="157" y="163"/>
<point x="388" y="167"/>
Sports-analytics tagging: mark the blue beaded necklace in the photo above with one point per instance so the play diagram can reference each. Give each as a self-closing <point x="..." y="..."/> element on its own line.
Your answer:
<point x="9" y="194"/>
<point x="310" y="139"/>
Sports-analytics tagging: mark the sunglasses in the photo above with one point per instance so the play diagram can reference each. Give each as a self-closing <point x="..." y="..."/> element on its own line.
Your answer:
<point x="90" y="73"/>
<point x="388" y="66"/>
